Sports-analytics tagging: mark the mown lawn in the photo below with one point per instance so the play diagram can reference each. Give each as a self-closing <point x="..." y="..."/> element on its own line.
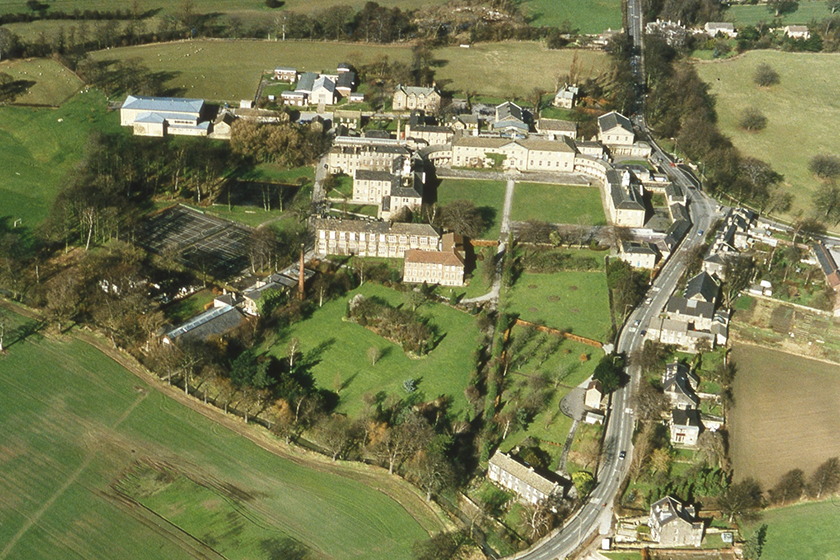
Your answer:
<point x="488" y="196"/>
<point x="496" y="69"/>
<point x="75" y="423"/>
<point x="342" y="353"/>
<point x="38" y="147"/>
<point x="587" y="16"/>
<point x="801" y="111"/>
<point x="577" y="301"/>
<point x="802" y="532"/>
<point x="49" y="83"/>
<point x="558" y="204"/>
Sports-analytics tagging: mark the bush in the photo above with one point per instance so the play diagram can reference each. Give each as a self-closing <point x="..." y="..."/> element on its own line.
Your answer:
<point x="765" y="76"/>
<point x="752" y="120"/>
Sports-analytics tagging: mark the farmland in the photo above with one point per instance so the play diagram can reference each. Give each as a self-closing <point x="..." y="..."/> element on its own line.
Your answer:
<point x="496" y="69"/>
<point x="231" y="70"/>
<point x="577" y="301"/>
<point x="586" y="16"/>
<point x="342" y="353"/>
<point x="39" y="146"/>
<point x="804" y="13"/>
<point x="51" y="83"/>
<point x="800" y="111"/>
<point x="784" y="415"/>
<point x="802" y="532"/>
<point x="557" y="204"/>
<point x="86" y="441"/>
<point x="488" y="197"/>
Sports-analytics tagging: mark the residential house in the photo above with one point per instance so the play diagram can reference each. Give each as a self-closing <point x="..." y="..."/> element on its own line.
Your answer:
<point x="366" y="155"/>
<point x="522" y="479"/>
<point x="445" y="268"/>
<point x="565" y="97"/>
<point x="827" y="264"/>
<point x="797" y="31"/>
<point x="722" y="27"/>
<point x="685" y="427"/>
<point x="345" y="84"/>
<point x="410" y="97"/>
<point x="593" y="395"/>
<point x="673" y="524"/>
<point x="159" y="116"/>
<point x="393" y="190"/>
<point x="731" y="238"/>
<point x="417" y="132"/>
<point x="554" y="128"/>
<point x="465" y="122"/>
<point x="625" y="204"/>
<point x="638" y="255"/>
<point x="698" y="314"/>
<point x="679" y="385"/>
<point x="323" y="92"/>
<point x="702" y="287"/>
<point x="510" y="120"/>
<point x="372" y="239"/>
<point x="286" y="74"/>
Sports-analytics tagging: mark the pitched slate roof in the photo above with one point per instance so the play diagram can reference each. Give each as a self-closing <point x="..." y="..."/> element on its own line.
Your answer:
<point x="668" y="510"/>
<point x="690" y="307"/>
<point x="364" y="226"/>
<point x="306" y="82"/>
<point x="690" y="418"/>
<point x="634" y="248"/>
<point x="679" y="386"/>
<point x="445" y="258"/>
<point x="324" y="83"/>
<point x="702" y="287"/>
<point x="415" y="90"/>
<point x="509" y="110"/>
<point x="163" y="104"/>
<point x="523" y="473"/>
<point x="217" y="320"/>
<point x="612" y="120"/>
<point x="556" y="125"/>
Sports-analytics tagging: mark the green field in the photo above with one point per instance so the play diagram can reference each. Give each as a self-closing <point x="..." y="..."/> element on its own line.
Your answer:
<point x="496" y="69"/>
<point x="488" y="196"/>
<point x="52" y="83"/>
<point x="577" y="301"/>
<point x="78" y="428"/>
<point x="587" y="16"/>
<point x="806" y="11"/>
<point x="802" y="532"/>
<point x="39" y="146"/>
<point x="558" y="204"/>
<point x="343" y="351"/>
<point x="801" y="111"/>
<point x="231" y="70"/>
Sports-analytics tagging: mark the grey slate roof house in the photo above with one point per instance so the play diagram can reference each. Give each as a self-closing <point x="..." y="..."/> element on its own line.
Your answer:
<point x="522" y="479"/>
<point x="673" y="524"/>
<point x="685" y="427"/>
<point x="702" y="287"/>
<point x="679" y="384"/>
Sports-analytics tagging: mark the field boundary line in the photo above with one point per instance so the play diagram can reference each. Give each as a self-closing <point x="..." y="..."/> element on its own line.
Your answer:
<point x="745" y="342"/>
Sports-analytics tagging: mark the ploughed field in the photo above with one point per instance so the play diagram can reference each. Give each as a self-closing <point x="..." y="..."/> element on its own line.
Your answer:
<point x="785" y="414"/>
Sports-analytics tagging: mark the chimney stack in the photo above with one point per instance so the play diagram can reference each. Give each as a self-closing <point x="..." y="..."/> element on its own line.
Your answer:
<point x="300" y="275"/>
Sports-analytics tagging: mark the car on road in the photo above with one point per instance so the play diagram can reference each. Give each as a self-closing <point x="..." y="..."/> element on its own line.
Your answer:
<point x="648" y="300"/>
<point x="636" y="323"/>
<point x="622" y="455"/>
<point x="700" y="233"/>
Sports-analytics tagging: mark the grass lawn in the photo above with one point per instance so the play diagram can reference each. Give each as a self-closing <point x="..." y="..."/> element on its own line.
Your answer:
<point x="488" y="196"/>
<point x="39" y="146"/>
<point x="558" y="204"/>
<point x="496" y="69"/>
<point x="801" y="111"/>
<point x="587" y="16"/>
<point x="802" y="532"/>
<point x="50" y="82"/>
<point x="577" y="301"/>
<point x="179" y="311"/>
<point x="750" y="15"/>
<point x="342" y="351"/>
<point x="76" y="424"/>
<point x="231" y="70"/>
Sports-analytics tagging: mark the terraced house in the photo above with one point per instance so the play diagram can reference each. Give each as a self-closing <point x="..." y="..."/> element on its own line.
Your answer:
<point x="373" y="239"/>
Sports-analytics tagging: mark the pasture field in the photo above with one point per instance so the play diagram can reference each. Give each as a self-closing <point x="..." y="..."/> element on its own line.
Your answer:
<point x="806" y="11"/>
<point x="496" y="69"/>
<point x="801" y="111"/>
<point x="38" y="146"/>
<point x="51" y="83"/>
<point x="587" y="16"/>
<point x="241" y="8"/>
<point x="342" y="352"/>
<point x="80" y="432"/>
<point x="558" y="204"/>
<point x="231" y="70"/>
<point x="785" y="413"/>
<point x="577" y="301"/>
<point x="806" y="531"/>
<point x="488" y="197"/>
